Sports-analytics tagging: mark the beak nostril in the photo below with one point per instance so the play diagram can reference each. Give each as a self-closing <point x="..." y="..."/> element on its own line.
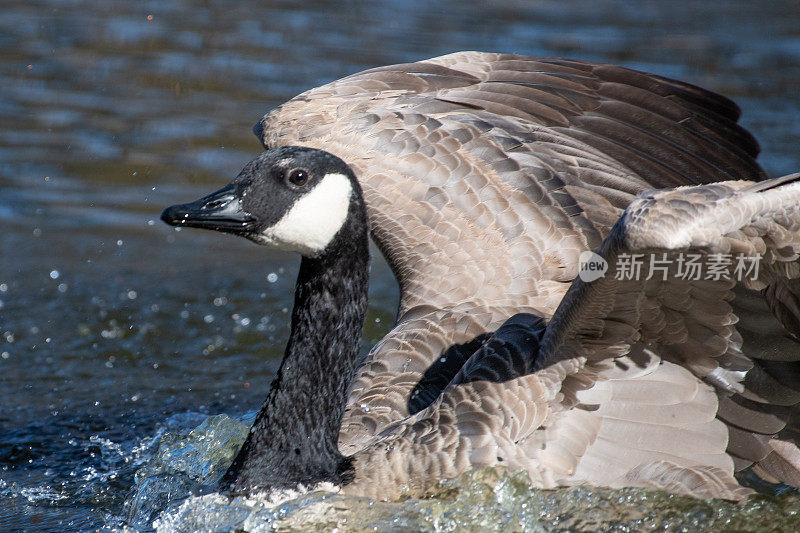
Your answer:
<point x="217" y="204"/>
<point x="214" y="205"/>
<point x="220" y="211"/>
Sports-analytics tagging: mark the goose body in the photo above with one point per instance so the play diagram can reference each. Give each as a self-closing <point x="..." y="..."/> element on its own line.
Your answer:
<point x="484" y="179"/>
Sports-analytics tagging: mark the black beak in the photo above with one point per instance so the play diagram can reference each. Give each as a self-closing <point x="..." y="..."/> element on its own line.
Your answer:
<point x="219" y="211"/>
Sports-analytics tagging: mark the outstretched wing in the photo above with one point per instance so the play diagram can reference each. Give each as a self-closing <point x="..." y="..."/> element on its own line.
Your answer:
<point x="500" y="411"/>
<point x="630" y="330"/>
<point x="486" y="175"/>
<point x="613" y="393"/>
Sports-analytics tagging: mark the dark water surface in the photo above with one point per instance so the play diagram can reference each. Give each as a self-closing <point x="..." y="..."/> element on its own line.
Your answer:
<point x="112" y="325"/>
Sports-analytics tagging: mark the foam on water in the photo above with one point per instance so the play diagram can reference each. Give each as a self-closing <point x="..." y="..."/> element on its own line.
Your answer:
<point x="175" y="491"/>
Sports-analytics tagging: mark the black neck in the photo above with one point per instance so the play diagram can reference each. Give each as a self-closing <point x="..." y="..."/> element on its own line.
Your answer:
<point x="294" y="438"/>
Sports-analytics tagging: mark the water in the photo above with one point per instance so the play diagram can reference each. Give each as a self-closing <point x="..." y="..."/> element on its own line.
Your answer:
<point x="115" y="329"/>
<point x="172" y="493"/>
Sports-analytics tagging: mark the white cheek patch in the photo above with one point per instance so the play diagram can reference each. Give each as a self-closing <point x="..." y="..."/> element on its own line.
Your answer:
<point x="312" y="222"/>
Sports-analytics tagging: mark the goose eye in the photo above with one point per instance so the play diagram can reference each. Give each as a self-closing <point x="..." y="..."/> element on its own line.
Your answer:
<point x="298" y="177"/>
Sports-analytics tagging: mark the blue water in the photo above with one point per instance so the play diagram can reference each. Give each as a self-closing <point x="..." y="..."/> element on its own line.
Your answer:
<point x="111" y="324"/>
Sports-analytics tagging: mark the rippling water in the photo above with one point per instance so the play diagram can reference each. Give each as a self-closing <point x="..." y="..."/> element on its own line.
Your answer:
<point x="113" y="327"/>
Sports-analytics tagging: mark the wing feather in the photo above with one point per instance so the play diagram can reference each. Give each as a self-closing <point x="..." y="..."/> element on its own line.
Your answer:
<point x="486" y="175"/>
<point x="692" y="322"/>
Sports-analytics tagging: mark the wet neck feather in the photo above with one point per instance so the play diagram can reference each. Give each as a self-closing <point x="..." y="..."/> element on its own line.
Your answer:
<point x="294" y="439"/>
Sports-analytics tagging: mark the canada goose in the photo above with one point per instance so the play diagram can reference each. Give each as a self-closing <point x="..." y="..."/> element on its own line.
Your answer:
<point x="485" y="176"/>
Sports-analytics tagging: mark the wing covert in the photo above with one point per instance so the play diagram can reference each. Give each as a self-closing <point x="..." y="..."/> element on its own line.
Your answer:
<point x="487" y="175"/>
<point x="692" y="322"/>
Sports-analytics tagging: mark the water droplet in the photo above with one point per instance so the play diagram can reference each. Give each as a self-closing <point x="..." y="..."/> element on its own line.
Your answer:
<point x="208" y="319"/>
<point x="5" y="355"/>
<point x="132" y="295"/>
<point x="54" y="274"/>
<point x="3" y="287"/>
<point x="119" y="242"/>
<point x="37" y="232"/>
<point x="184" y="314"/>
<point x="62" y="287"/>
<point x="272" y="277"/>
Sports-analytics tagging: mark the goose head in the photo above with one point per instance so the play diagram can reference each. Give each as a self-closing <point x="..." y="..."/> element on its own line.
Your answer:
<point x="290" y="198"/>
<point x="307" y="201"/>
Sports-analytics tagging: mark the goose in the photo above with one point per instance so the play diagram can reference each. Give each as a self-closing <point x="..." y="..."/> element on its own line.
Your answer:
<point x="485" y="180"/>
